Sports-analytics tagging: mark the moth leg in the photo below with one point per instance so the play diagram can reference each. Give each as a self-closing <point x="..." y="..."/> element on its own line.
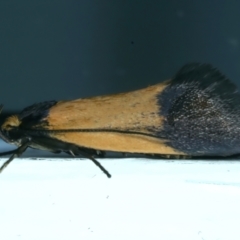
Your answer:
<point x="100" y="154"/>
<point x="8" y="152"/>
<point x="71" y="153"/>
<point x="16" y="153"/>
<point x="96" y="163"/>
<point x="87" y="155"/>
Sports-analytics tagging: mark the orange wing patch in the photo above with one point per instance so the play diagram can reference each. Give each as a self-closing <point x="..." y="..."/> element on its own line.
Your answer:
<point x="135" y="110"/>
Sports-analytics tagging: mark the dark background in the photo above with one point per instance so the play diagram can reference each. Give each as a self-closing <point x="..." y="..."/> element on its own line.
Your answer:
<point x="58" y="49"/>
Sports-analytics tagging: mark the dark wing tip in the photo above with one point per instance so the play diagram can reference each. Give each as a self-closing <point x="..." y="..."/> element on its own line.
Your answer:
<point x="202" y="111"/>
<point x="204" y="76"/>
<point x="199" y="72"/>
<point x="200" y="80"/>
<point x="195" y="66"/>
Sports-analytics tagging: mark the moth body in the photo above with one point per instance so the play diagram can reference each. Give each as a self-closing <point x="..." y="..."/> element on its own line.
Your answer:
<point x="196" y="113"/>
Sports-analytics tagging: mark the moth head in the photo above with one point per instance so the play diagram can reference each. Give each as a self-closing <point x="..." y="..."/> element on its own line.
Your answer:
<point x="9" y="129"/>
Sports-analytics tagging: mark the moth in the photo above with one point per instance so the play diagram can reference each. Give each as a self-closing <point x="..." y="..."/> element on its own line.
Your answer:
<point x="195" y="113"/>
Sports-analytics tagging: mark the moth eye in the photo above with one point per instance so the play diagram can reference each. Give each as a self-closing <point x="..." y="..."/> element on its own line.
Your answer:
<point x="5" y="129"/>
<point x="4" y="132"/>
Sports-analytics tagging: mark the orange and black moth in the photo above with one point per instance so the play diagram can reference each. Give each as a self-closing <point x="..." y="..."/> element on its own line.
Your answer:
<point x="196" y="113"/>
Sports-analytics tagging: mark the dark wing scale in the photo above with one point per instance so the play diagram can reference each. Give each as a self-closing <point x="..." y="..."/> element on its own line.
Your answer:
<point x="211" y="80"/>
<point x="35" y="114"/>
<point x="202" y="111"/>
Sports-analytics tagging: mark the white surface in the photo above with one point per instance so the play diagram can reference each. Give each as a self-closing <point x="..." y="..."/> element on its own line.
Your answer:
<point x="144" y="199"/>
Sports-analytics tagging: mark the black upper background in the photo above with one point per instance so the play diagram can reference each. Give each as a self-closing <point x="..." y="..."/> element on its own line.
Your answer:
<point x="56" y="49"/>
